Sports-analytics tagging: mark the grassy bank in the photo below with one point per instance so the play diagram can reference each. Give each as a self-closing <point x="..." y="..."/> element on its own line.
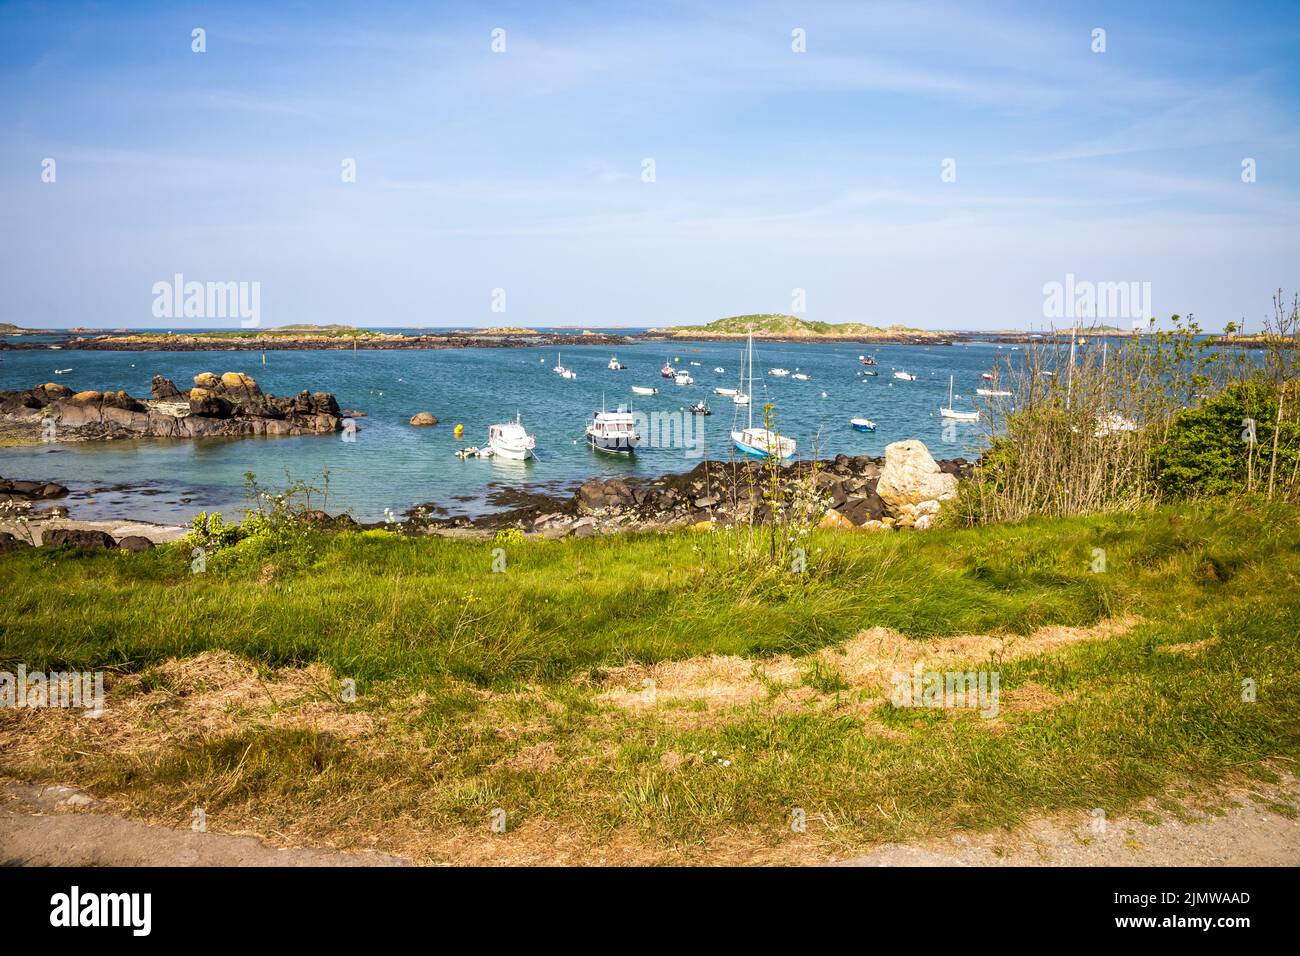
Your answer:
<point x="657" y="697"/>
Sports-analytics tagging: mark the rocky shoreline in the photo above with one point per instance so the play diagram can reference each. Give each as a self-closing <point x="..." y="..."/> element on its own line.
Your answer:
<point x="308" y="342"/>
<point x="904" y="489"/>
<point x="228" y="405"/>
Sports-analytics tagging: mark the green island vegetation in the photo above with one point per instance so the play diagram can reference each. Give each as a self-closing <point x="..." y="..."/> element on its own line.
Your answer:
<point x="305" y="332"/>
<point x="1126" y="560"/>
<point x="773" y="325"/>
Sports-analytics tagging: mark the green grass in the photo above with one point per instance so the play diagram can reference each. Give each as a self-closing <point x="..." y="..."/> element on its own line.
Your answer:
<point x="470" y="669"/>
<point x="378" y="606"/>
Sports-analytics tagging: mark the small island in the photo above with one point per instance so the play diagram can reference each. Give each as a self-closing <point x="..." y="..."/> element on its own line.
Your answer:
<point x="303" y="337"/>
<point x="793" y="328"/>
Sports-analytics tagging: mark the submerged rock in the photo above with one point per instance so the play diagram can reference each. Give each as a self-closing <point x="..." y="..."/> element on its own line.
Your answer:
<point x="424" y="418"/>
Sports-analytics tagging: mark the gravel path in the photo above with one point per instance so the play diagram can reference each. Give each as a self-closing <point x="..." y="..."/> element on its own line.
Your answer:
<point x="1248" y="834"/>
<point x="59" y="826"/>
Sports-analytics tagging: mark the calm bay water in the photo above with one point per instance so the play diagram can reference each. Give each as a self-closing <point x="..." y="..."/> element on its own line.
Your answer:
<point x="393" y="465"/>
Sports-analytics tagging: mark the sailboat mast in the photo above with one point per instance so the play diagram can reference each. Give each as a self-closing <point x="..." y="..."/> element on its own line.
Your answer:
<point x="749" y="351"/>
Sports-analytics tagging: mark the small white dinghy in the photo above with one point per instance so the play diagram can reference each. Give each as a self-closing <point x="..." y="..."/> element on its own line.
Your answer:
<point x="904" y="376"/>
<point x="644" y="390"/>
<point x="726" y="391"/>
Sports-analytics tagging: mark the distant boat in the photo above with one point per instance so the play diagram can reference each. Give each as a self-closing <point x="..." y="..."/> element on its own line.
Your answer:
<point x="701" y="408"/>
<point x="696" y="364"/>
<point x="683" y="378"/>
<point x="758" y="442"/>
<point x="778" y="372"/>
<point x="509" y="440"/>
<point x="740" y="399"/>
<point x="905" y="377"/>
<point x="668" y="371"/>
<point x="988" y="392"/>
<point x="62" y="371"/>
<point x="561" y="371"/>
<point x="726" y="391"/>
<point x="615" y="365"/>
<point x="955" y="415"/>
<point x="644" y="390"/>
<point x="988" y="376"/>
<point x="800" y="376"/>
<point x="720" y="370"/>
<point x="871" y="374"/>
<point x="865" y="360"/>
<point x="613" y="432"/>
<point x="862" y="424"/>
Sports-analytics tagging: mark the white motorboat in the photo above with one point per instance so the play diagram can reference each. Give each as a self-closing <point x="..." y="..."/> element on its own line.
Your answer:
<point x="720" y="370"/>
<point x="949" y="412"/>
<point x="740" y="399"/>
<point x="905" y="377"/>
<point x="683" y="378"/>
<point x="510" y="440"/>
<point x="613" y="432"/>
<point x="799" y="376"/>
<point x="778" y="372"/>
<point x="644" y="390"/>
<point x="696" y="364"/>
<point x="615" y="365"/>
<point x="991" y="393"/>
<point x="758" y="442"/>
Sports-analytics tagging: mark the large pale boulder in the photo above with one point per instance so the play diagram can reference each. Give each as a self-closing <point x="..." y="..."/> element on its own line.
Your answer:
<point x="912" y="485"/>
<point x="207" y="380"/>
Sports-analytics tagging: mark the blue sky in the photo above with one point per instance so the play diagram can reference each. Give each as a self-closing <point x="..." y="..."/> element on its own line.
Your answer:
<point x="522" y="170"/>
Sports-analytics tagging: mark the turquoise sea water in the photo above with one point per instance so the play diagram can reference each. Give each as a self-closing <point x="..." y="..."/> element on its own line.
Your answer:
<point x="392" y="465"/>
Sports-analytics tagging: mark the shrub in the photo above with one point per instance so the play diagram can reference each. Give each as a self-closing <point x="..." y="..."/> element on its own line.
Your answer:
<point x="1207" y="451"/>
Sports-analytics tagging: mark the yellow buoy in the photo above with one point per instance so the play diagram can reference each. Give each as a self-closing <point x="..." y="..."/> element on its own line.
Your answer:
<point x="460" y="430"/>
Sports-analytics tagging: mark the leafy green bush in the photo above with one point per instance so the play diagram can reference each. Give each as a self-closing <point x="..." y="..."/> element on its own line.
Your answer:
<point x="1207" y="450"/>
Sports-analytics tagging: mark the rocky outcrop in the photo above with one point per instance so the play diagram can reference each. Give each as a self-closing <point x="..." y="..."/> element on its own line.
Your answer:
<point x="135" y="543"/>
<point x="842" y="493"/>
<point x="424" y="419"/>
<point x="232" y="404"/>
<point x="30" y="490"/>
<point x="912" y="485"/>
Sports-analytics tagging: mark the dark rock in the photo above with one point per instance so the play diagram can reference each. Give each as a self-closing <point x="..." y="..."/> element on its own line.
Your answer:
<point x="81" y="538"/>
<point x="10" y="543"/>
<point x="135" y="543"/>
<point x="862" y="510"/>
<point x="163" y="388"/>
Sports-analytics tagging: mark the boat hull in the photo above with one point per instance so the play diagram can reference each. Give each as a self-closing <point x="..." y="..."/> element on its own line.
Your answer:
<point x="612" y="446"/>
<point x="511" y="453"/>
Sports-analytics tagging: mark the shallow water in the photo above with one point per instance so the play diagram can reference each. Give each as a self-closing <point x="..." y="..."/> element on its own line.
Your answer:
<point x="393" y="465"/>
